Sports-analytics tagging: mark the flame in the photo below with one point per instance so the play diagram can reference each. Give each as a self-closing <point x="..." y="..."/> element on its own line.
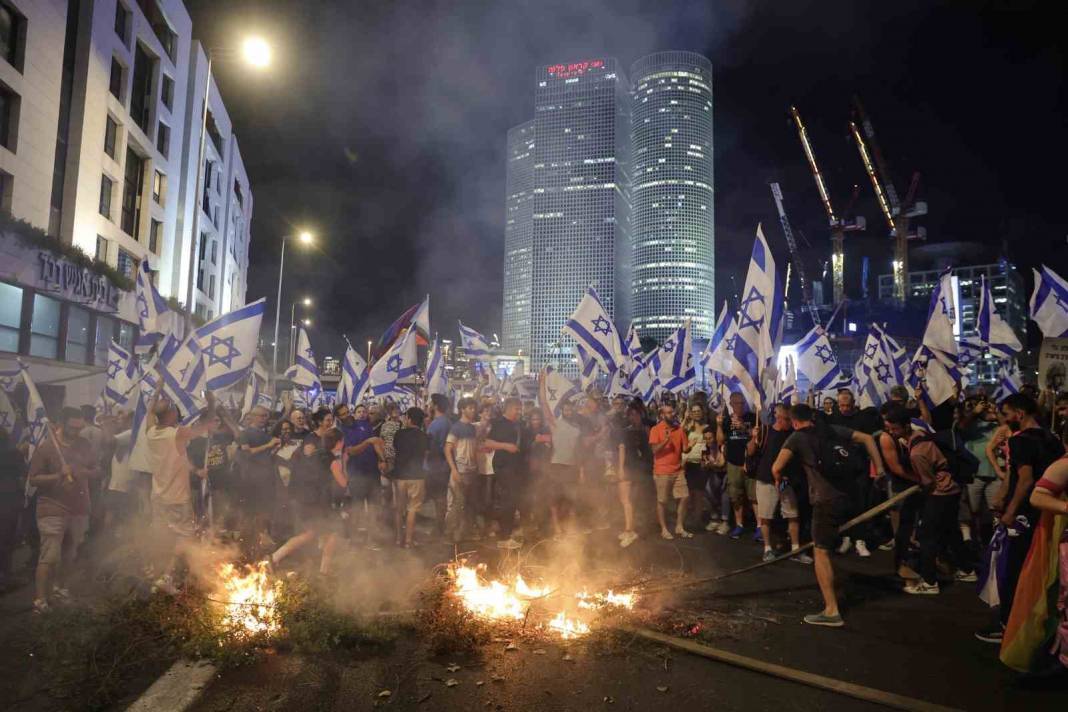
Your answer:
<point x="498" y="600"/>
<point x="248" y="598"/>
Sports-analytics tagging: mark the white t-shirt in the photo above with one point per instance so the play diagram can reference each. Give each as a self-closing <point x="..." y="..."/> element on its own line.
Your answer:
<point x="565" y="442"/>
<point x="121" y="477"/>
<point x="170" y="478"/>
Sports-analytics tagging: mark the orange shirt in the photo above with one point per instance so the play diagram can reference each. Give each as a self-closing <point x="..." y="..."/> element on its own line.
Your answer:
<point x="668" y="460"/>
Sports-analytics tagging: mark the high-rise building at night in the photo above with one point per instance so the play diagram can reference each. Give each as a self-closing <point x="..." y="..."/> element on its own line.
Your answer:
<point x="579" y="214"/>
<point x="672" y="215"/>
<point x="518" y="229"/>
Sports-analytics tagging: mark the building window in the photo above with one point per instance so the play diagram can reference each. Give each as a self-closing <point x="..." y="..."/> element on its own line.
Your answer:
<point x="159" y="184"/>
<point x="101" y="248"/>
<point x="44" y="327"/>
<point x="111" y="135"/>
<point x="105" y="196"/>
<point x="77" y="335"/>
<point x="105" y="332"/>
<point x="9" y="118"/>
<point x="10" y="316"/>
<point x="115" y="85"/>
<point x="5" y="190"/>
<point x="163" y="139"/>
<point x="215" y="217"/>
<point x="11" y="26"/>
<point x="214" y="252"/>
<point x="126" y="335"/>
<point x="141" y="90"/>
<point x="126" y="264"/>
<point x="122" y="23"/>
<point x="211" y="287"/>
<point x="154" y="232"/>
<point x="131" y="194"/>
<point x="166" y="92"/>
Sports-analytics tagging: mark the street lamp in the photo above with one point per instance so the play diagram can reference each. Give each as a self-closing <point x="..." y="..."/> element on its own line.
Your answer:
<point x="305" y="238"/>
<point x="256" y="53"/>
<point x="306" y="301"/>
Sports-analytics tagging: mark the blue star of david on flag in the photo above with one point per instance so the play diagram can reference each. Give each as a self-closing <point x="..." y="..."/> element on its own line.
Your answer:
<point x="824" y="353"/>
<point x="669" y="346"/>
<point x="882" y="371"/>
<point x="601" y="326"/>
<point x="746" y="317"/>
<point x="228" y="354"/>
<point x="730" y="341"/>
<point x="142" y="306"/>
<point x="5" y="419"/>
<point x="552" y="393"/>
<point x="869" y="351"/>
<point x="394" y="363"/>
<point x="113" y="368"/>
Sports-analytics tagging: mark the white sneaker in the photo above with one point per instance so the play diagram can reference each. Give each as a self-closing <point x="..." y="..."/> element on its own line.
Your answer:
<point x="921" y="587"/>
<point x="713" y="525"/>
<point x="509" y="543"/>
<point x="802" y="559"/>
<point x="844" y="547"/>
<point x="724" y="528"/>
<point x="627" y="539"/>
<point x="862" y="549"/>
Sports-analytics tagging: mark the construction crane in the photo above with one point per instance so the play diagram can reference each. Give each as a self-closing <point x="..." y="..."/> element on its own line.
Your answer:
<point x="898" y="216"/>
<point x="791" y="242"/>
<point x="839" y="225"/>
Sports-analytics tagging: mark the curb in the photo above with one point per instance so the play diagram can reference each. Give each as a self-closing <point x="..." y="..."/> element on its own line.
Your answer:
<point x="177" y="689"/>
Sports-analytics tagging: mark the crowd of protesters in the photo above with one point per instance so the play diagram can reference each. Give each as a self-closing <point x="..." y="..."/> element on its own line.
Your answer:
<point x="516" y="472"/>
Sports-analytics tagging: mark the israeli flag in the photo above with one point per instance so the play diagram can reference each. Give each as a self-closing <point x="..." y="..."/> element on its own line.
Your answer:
<point x="303" y="373"/>
<point x="556" y="389"/>
<point x="1009" y="382"/>
<point x="723" y="324"/>
<point x="817" y="361"/>
<point x="759" y="318"/>
<point x="588" y="367"/>
<point x="228" y="345"/>
<point x="672" y="364"/>
<point x="36" y="415"/>
<point x="1049" y="303"/>
<point x="252" y="394"/>
<point x="873" y="373"/>
<point x="181" y="370"/>
<point x="899" y="358"/>
<point x="473" y="343"/>
<point x="936" y="378"/>
<point x="399" y="363"/>
<point x="8" y="416"/>
<point x="152" y="312"/>
<point x="121" y="370"/>
<point x="146" y="391"/>
<point x="436" y="380"/>
<point x="969" y="351"/>
<point x="593" y="331"/>
<point x="941" y="314"/>
<point x="9" y="379"/>
<point x="788" y="387"/>
<point x="354" y="376"/>
<point x="993" y="331"/>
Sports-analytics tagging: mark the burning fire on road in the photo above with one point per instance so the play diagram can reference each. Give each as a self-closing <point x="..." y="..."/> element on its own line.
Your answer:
<point x="248" y="596"/>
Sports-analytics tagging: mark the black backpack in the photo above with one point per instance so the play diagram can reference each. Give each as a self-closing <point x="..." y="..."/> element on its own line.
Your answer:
<point x="960" y="462"/>
<point x="837" y="463"/>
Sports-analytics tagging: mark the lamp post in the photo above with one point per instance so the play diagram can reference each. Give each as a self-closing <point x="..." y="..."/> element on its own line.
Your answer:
<point x="306" y="301"/>
<point x="369" y="352"/>
<point x="256" y="53"/>
<point x="306" y="239"/>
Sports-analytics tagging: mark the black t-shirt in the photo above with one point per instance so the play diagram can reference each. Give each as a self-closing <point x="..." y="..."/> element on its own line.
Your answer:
<point x="1038" y="448"/>
<point x="773" y="442"/>
<point x="254" y="465"/>
<point x="638" y="457"/>
<point x="213" y="456"/>
<point x="805" y="445"/>
<point x="737" y="438"/>
<point x="866" y="420"/>
<point x="505" y="431"/>
<point x="410" y="446"/>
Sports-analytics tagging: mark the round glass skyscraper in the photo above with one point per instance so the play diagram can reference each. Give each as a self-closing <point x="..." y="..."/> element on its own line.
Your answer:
<point x="672" y="216"/>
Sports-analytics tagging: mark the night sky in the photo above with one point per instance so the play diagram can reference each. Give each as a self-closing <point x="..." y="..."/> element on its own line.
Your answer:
<point x="381" y="128"/>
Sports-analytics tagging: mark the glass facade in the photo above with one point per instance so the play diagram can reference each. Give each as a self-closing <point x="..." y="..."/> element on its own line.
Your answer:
<point x="672" y="199"/>
<point x="580" y="212"/>
<point x="518" y="250"/>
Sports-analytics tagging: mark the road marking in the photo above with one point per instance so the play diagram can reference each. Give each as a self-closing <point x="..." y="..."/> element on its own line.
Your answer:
<point x="177" y="689"/>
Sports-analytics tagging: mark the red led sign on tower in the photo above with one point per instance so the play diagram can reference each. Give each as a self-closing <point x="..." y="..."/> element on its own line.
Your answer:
<point x="574" y="69"/>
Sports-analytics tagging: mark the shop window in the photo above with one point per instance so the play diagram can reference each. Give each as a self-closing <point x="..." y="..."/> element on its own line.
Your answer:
<point x="44" y="327"/>
<point x="105" y="332"/>
<point x="77" y="335"/>
<point x="126" y="335"/>
<point x="10" y="316"/>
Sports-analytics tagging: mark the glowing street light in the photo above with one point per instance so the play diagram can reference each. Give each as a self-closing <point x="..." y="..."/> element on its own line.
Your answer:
<point x="256" y="52"/>
<point x="305" y="238"/>
<point x="307" y="301"/>
<point x="307" y="322"/>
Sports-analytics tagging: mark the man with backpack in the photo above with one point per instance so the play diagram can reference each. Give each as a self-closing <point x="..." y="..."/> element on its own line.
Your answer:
<point x="823" y="453"/>
<point x="941" y="466"/>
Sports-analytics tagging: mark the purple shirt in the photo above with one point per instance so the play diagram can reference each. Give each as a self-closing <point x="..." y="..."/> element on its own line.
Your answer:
<point x="366" y="463"/>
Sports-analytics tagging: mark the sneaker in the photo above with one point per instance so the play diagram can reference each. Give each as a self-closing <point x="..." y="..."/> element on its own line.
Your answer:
<point x="627" y="539"/>
<point x="62" y="594"/>
<point x="723" y="528"/>
<point x="803" y="559"/>
<point x="843" y="548"/>
<point x="509" y="543"/>
<point x="682" y="533"/>
<point x="862" y="549"/>
<point x="965" y="577"/>
<point x="823" y="619"/>
<point x="736" y="533"/>
<point x="666" y="535"/>
<point x="922" y="588"/>
<point x="769" y="555"/>
<point x="887" y="546"/>
<point x="40" y="606"/>
<point x="621" y="535"/>
<point x="713" y="525"/>
<point x="758" y="536"/>
<point x="992" y="635"/>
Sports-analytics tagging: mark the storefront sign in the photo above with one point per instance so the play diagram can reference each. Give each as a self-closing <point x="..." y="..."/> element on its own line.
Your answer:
<point x="76" y="283"/>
